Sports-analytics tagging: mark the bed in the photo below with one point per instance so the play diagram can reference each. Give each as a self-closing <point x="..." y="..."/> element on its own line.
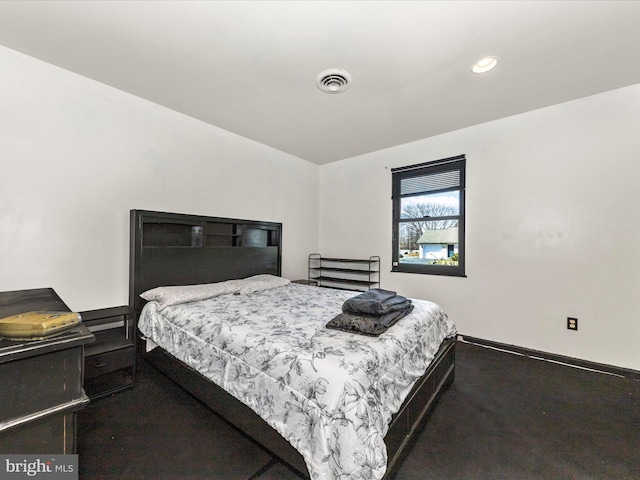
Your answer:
<point x="218" y="348"/>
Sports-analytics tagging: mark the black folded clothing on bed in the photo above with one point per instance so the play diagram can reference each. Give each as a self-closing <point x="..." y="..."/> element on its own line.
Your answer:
<point x="371" y="313"/>
<point x="365" y="324"/>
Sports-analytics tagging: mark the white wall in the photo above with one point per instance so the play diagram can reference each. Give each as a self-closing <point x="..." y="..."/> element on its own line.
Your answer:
<point x="553" y="226"/>
<point x="76" y="156"/>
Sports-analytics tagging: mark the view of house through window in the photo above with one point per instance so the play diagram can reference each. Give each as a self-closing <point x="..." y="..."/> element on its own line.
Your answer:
<point x="428" y="203"/>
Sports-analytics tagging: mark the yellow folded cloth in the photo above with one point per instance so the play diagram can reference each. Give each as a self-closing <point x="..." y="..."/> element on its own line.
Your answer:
<point x="37" y="325"/>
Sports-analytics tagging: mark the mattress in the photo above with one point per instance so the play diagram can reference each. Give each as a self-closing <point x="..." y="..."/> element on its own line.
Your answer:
<point x="331" y="394"/>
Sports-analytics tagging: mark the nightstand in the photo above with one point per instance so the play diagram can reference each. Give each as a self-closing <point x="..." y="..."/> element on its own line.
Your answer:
<point x="110" y="360"/>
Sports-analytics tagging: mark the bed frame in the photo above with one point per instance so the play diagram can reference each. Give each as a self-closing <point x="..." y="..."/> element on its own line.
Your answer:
<point x="178" y="249"/>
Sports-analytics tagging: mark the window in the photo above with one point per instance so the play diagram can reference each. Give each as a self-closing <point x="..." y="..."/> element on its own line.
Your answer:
<point x="428" y="217"/>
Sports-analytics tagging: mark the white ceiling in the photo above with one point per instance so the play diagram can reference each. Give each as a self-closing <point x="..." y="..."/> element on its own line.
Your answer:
<point x="250" y="66"/>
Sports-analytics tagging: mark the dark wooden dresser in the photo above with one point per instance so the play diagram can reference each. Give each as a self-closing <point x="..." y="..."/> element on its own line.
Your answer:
<point x="41" y="381"/>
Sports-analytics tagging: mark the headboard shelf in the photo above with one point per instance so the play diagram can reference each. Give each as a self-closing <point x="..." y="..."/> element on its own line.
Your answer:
<point x="179" y="249"/>
<point x="191" y="231"/>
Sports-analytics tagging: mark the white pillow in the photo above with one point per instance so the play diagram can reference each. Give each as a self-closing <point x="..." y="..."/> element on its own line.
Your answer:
<point x="257" y="283"/>
<point x="166" y="296"/>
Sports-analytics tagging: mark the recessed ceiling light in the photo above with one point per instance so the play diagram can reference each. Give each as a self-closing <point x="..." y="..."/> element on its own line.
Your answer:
<point x="484" y="65"/>
<point x="333" y="80"/>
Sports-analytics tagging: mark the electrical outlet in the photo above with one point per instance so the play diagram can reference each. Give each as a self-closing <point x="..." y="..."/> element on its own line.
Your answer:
<point x="572" y="323"/>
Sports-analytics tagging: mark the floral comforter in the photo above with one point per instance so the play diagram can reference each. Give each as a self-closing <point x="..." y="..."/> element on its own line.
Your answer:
<point x="331" y="394"/>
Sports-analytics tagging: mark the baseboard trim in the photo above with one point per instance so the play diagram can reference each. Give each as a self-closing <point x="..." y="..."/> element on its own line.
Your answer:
<point x="552" y="357"/>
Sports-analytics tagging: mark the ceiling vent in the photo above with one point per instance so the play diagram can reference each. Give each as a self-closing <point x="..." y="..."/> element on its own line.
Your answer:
<point x="333" y="81"/>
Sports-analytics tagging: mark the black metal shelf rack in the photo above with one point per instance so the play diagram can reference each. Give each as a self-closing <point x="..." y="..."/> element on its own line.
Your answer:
<point x="344" y="273"/>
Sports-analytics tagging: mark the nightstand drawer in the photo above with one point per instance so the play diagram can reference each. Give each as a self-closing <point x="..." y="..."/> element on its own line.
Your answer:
<point x="108" y="362"/>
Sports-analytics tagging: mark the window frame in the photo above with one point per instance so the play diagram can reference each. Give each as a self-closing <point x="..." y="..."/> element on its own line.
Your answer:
<point x="429" y="168"/>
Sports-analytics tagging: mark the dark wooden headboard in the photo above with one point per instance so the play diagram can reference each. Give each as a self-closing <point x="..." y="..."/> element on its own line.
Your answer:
<point x="178" y="249"/>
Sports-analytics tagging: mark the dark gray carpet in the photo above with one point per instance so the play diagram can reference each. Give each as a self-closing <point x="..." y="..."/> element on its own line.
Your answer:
<point x="512" y="417"/>
<point x="505" y="417"/>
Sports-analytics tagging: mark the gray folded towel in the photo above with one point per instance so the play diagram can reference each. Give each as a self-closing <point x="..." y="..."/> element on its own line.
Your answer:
<point x="376" y="302"/>
<point x="364" y="324"/>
